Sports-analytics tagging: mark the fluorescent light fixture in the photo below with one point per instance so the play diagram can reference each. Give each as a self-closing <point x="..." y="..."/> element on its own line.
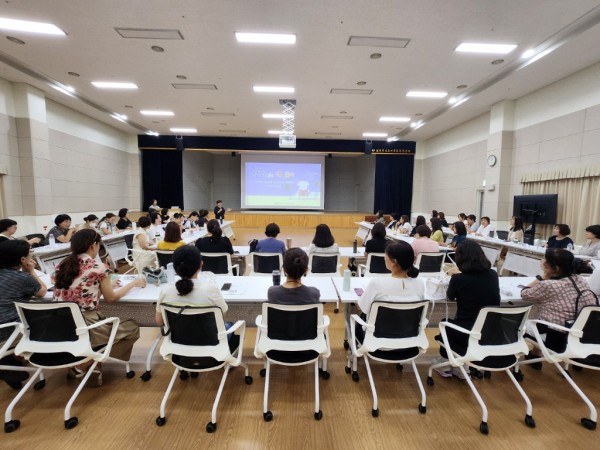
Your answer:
<point x="413" y="124"/>
<point x="343" y="91"/>
<point x="183" y="130"/>
<point x="119" y="117"/>
<point x="374" y="134"/>
<point x="394" y="119"/>
<point x="68" y="90"/>
<point x="458" y="102"/>
<point x="392" y="139"/>
<point x="276" y="132"/>
<point x="452" y="100"/>
<point x="496" y="49"/>
<point x="277" y="116"/>
<point x="371" y="41"/>
<point x="528" y="53"/>
<point x="30" y="27"/>
<point x="274" y="89"/>
<point x="152" y="133"/>
<point x="266" y="38"/>
<point x="149" y="33"/>
<point x="426" y="94"/>
<point x="150" y="112"/>
<point x="114" y="85"/>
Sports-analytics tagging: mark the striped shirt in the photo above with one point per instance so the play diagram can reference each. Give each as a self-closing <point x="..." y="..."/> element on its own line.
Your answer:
<point x="16" y="286"/>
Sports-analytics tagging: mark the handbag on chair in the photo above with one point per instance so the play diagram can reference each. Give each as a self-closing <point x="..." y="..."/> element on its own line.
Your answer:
<point x="155" y="276"/>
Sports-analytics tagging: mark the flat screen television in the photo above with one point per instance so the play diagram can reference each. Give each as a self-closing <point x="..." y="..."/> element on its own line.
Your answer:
<point x="542" y="207"/>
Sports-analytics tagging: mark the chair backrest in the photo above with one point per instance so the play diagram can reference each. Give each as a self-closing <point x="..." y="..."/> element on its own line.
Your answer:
<point x="521" y="264"/>
<point x="584" y="338"/>
<point x="128" y="241"/>
<point x="323" y="263"/>
<point x="266" y="263"/>
<point x="376" y="264"/>
<point x="292" y="322"/>
<point x="502" y="234"/>
<point x="430" y="262"/>
<point x="164" y="257"/>
<point x="217" y="263"/>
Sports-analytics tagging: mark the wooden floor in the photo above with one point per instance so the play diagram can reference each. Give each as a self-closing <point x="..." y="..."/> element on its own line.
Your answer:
<point x="122" y="413"/>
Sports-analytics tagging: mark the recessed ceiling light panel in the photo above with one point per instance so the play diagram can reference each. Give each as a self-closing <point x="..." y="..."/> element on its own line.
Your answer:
<point x="351" y="91"/>
<point x="218" y="114"/>
<point x="210" y="87"/>
<point x="149" y="33"/>
<point x="274" y="89"/>
<point x="275" y="131"/>
<point x="183" y="130"/>
<point x="337" y="117"/>
<point x="114" y="85"/>
<point x="374" y="134"/>
<point x="277" y="116"/>
<point x="394" y="119"/>
<point x="266" y="38"/>
<point x="152" y="112"/>
<point x="30" y="27"/>
<point x="368" y="41"/>
<point x="426" y="94"/>
<point x="495" y="49"/>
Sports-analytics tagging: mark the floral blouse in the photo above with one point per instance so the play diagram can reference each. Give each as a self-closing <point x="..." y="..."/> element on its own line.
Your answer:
<point x="85" y="289"/>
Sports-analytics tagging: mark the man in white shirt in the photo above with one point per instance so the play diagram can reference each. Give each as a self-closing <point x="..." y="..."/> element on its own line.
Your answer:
<point x="485" y="228"/>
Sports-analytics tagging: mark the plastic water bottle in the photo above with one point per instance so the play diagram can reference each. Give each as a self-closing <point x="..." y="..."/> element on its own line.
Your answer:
<point x="170" y="273"/>
<point x="134" y="226"/>
<point x="570" y="247"/>
<point x="346" y="285"/>
<point x="354" y="246"/>
<point x="52" y="240"/>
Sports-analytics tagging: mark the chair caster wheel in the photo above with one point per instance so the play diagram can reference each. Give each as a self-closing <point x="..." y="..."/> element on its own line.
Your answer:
<point x="483" y="427"/>
<point x="347" y="369"/>
<point x="346" y="345"/>
<point x="71" y="423"/>
<point x="146" y="376"/>
<point x="16" y="385"/>
<point x="319" y="415"/>
<point x="183" y="375"/>
<point x="268" y="416"/>
<point x="325" y="375"/>
<point x="355" y="377"/>
<point x="39" y="385"/>
<point x="518" y="376"/>
<point x="375" y="412"/>
<point x="430" y="381"/>
<point x="160" y="421"/>
<point x="475" y="374"/>
<point x="588" y="423"/>
<point x="130" y="374"/>
<point x="211" y="427"/>
<point x="529" y="421"/>
<point x="336" y="310"/>
<point x="399" y="367"/>
<point x="422" y="409"/>
<point x="263" y="372"/>
<point x="11" y="426"/>
<point x="487" y="374"/>
<point x="194" y="374"/>
<point x="248" y="379"/>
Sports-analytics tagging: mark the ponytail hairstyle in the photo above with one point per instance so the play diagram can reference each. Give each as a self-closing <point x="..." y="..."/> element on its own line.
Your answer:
<point x="68" y="269"/>
<point x="214" y="229"/>
<point x="403" y="254"/>
<point x="90" y="218"/>
<point x="186" y="262"/>
<point x="123" y="212"/>
<point x="295" y="263"/>
<point x="107" y="216"/>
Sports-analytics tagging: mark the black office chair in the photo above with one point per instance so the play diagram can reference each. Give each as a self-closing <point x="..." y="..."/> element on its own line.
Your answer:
<point x="164" y="257"/>
<point x="265" y="263"/>
<point x="219" y="264"/>
<point x="502" y="234"/>
<point x="36" y="235"/>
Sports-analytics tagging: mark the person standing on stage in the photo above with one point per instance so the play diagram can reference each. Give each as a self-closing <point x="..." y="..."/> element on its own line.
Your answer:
<point x="219" y="211"/>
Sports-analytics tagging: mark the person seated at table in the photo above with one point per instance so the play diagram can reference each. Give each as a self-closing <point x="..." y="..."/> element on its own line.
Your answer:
<point x="516" y="230"/>
<point x="191" y="220"/>
<point x="271" y="244"/>
<point x="422" y="243"/>
<point x="592" y="244"/>
<point x="471" y="224"/>
<point x="401" y="286"/>
<point x="559" y="294"/>
<point x="202" y="218"/>
<point x="323" y="242"/>
<point x="178" y="218"/>
<point x="107" y="224"/>
<point x="420" y="221"/>
<point x="164" y="215"/>
<point x="434" y="214"/>
<point x="156" y="231"/>
<point x="214" y="241"/>
<point x="559" y="238"/>
<point x="194" y="288"/>
<point x="394" y="222"/>
<point x="81" y="279"/>
<point x="61" y="231"/>
<point x="292" y="291"/>
<point x="462" y="217"/>
<point x="379" y="217"/>
<point x="378" y="242"/>
<point x="19" y="283"/>
<point x="442" y="217"/>
<point x="437" y="234"/>
<point x="405" y="227"/>
<point x="143" y="255"/>
<point x="124" y="223"/>
<point x="473" y="288"/>
<point x="8" y="228"/>
<point x="486" y="229"/>
<point x="172" y="240"/>
<point x="90" y="222"/>
<point x="153" y="206"/>
<point x="460" y="234"/>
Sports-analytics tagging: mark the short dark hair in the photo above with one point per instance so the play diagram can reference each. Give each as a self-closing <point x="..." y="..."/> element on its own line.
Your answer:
<point x="378" y="231"/>
<point x="295" y="263"/>
<point x="153" y="217"/>
<point x="203" y="212"/>
<point x="462" y="216"/>
<point x="323" y="237"/>
<point x="11" y="252"/>
<point x="473" y="217"/>
<point x="193" y="214"/>
<point x="5" y="224"/>
<point x="219" y="201"/>
<point x="396" y="216"/>
<point x="123" y="212"/>
<point x="214" y="228"/>
<point x="487" y="219"/>
<point x="470" y="257"/>
<point x="436" y="224"/>
<point x="561" y="260"/>
<point x="563" y="229"/>
<point x="434" y="213"/>
<point x="594" y="229"/>
<point x="424" y="231"/>
<point x="172" y="232"/>
<point x="441" y="215"/>
<point x="90" y="217"/>
<point x="459" y="228"/>
<point x="272" y="230"/>
<point x="420" y="221"/>
<point x="145" y="221"/>
<point x="405" y="218"/>
<point x="404" y="255"/>
<point x="187" y="260"/>
<point x="61" y="218"/>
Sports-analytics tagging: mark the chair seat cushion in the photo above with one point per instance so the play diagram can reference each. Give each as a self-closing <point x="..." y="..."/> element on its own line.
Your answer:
<point x="204" y="362"/>
<point x="287" y="357"/>
<point x="497" y="362"/>
<point x="592" y="360"/>
<point x="396" y="355"/>
<point x="54" y="359"/>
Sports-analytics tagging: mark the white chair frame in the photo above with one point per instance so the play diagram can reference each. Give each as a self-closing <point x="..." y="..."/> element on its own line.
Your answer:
<point x="365" y="269"/>
<point x="230" y="266"/>
<point x="251" y="263"/>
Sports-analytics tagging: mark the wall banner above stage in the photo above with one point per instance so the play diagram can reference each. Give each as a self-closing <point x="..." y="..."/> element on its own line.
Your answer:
<point x="393" y="151"/>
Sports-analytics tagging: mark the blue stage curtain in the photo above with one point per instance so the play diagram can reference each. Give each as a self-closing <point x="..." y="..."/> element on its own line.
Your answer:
<point x="394" y="183"/>
<point x="162" y="178"/>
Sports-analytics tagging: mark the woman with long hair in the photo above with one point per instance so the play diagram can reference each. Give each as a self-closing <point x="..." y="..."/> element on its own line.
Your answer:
<point x="378" y="242"/>
<point x="420" y="221"/>
<point x="124" y="223"/>
<point x="323" y="242"/>
<point x="292" y="291"/>
<point x="460" y="235"/>
<point x="437" y="234"/>
<point x="516" y="229"/>
<point x="81" y="279"/>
